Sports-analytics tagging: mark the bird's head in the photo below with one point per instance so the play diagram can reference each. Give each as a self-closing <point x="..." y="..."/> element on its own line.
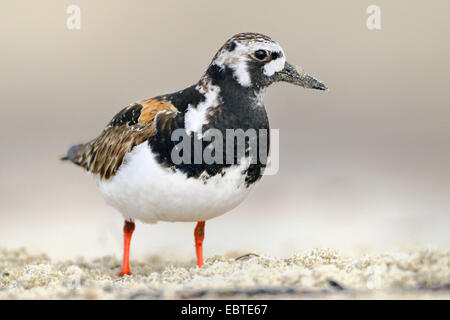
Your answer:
<point x="256" y="61"/>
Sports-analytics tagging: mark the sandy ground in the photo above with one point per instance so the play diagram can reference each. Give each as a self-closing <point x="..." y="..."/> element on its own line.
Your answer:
<point x="318" y="273"/>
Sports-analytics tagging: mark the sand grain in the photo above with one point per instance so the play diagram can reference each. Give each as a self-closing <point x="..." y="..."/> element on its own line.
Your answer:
<point x="318" y="273"/>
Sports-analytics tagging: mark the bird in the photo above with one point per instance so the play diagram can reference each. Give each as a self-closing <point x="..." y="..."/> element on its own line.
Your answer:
<point x="132" y="159"/>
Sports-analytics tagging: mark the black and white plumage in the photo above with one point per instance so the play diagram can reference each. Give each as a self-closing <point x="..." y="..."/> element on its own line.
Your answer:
<point x="131" y="158"/>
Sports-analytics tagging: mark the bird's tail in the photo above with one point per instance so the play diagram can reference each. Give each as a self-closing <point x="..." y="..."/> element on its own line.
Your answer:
<point x="73" y="153"/>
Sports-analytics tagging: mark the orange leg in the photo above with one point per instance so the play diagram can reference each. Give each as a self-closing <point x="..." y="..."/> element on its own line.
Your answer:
<point x="199" y="234"/>
<point x="128" y="229"/>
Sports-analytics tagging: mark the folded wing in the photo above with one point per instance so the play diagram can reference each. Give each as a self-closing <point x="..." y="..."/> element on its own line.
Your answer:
<point x="130" y="127"/>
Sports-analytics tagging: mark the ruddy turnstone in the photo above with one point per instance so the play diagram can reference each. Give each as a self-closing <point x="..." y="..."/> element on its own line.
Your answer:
<point x="133" y="157"/>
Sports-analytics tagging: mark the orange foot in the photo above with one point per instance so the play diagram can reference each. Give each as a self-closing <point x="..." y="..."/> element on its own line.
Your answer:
<point x="199" y="234"/>
<point x="127" y="233"/>
<point x="121" y="274"/>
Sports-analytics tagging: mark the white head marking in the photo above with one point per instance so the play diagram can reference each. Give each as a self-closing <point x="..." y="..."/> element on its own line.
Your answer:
<point x="238" y="58"/>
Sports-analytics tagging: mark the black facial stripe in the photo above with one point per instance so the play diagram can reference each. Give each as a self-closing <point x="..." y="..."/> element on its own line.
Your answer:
<point x="231" y="46"/>
<point x="258" y="79"/>
<point x="275" y="55"/>
<point x="232" y="93"/>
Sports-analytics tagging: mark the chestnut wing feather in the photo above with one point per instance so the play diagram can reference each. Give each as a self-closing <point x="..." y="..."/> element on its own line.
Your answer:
<point x="129" y="128"/>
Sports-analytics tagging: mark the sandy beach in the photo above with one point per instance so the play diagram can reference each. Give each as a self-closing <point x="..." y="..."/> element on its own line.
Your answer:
<point x="318" y="273"/>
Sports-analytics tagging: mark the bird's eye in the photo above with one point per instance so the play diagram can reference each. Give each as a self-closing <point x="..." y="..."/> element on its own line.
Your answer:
<point x="260" y="54"/>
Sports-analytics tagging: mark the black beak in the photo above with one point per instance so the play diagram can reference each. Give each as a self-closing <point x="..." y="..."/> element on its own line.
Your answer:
<point x="296" y="76"/>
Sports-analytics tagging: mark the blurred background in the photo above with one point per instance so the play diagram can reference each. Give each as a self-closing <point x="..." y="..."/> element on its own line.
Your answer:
<point x="363" y="167"/>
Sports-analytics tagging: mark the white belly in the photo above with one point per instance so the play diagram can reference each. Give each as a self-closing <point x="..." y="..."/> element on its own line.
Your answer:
<point x="144" y="190"/>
